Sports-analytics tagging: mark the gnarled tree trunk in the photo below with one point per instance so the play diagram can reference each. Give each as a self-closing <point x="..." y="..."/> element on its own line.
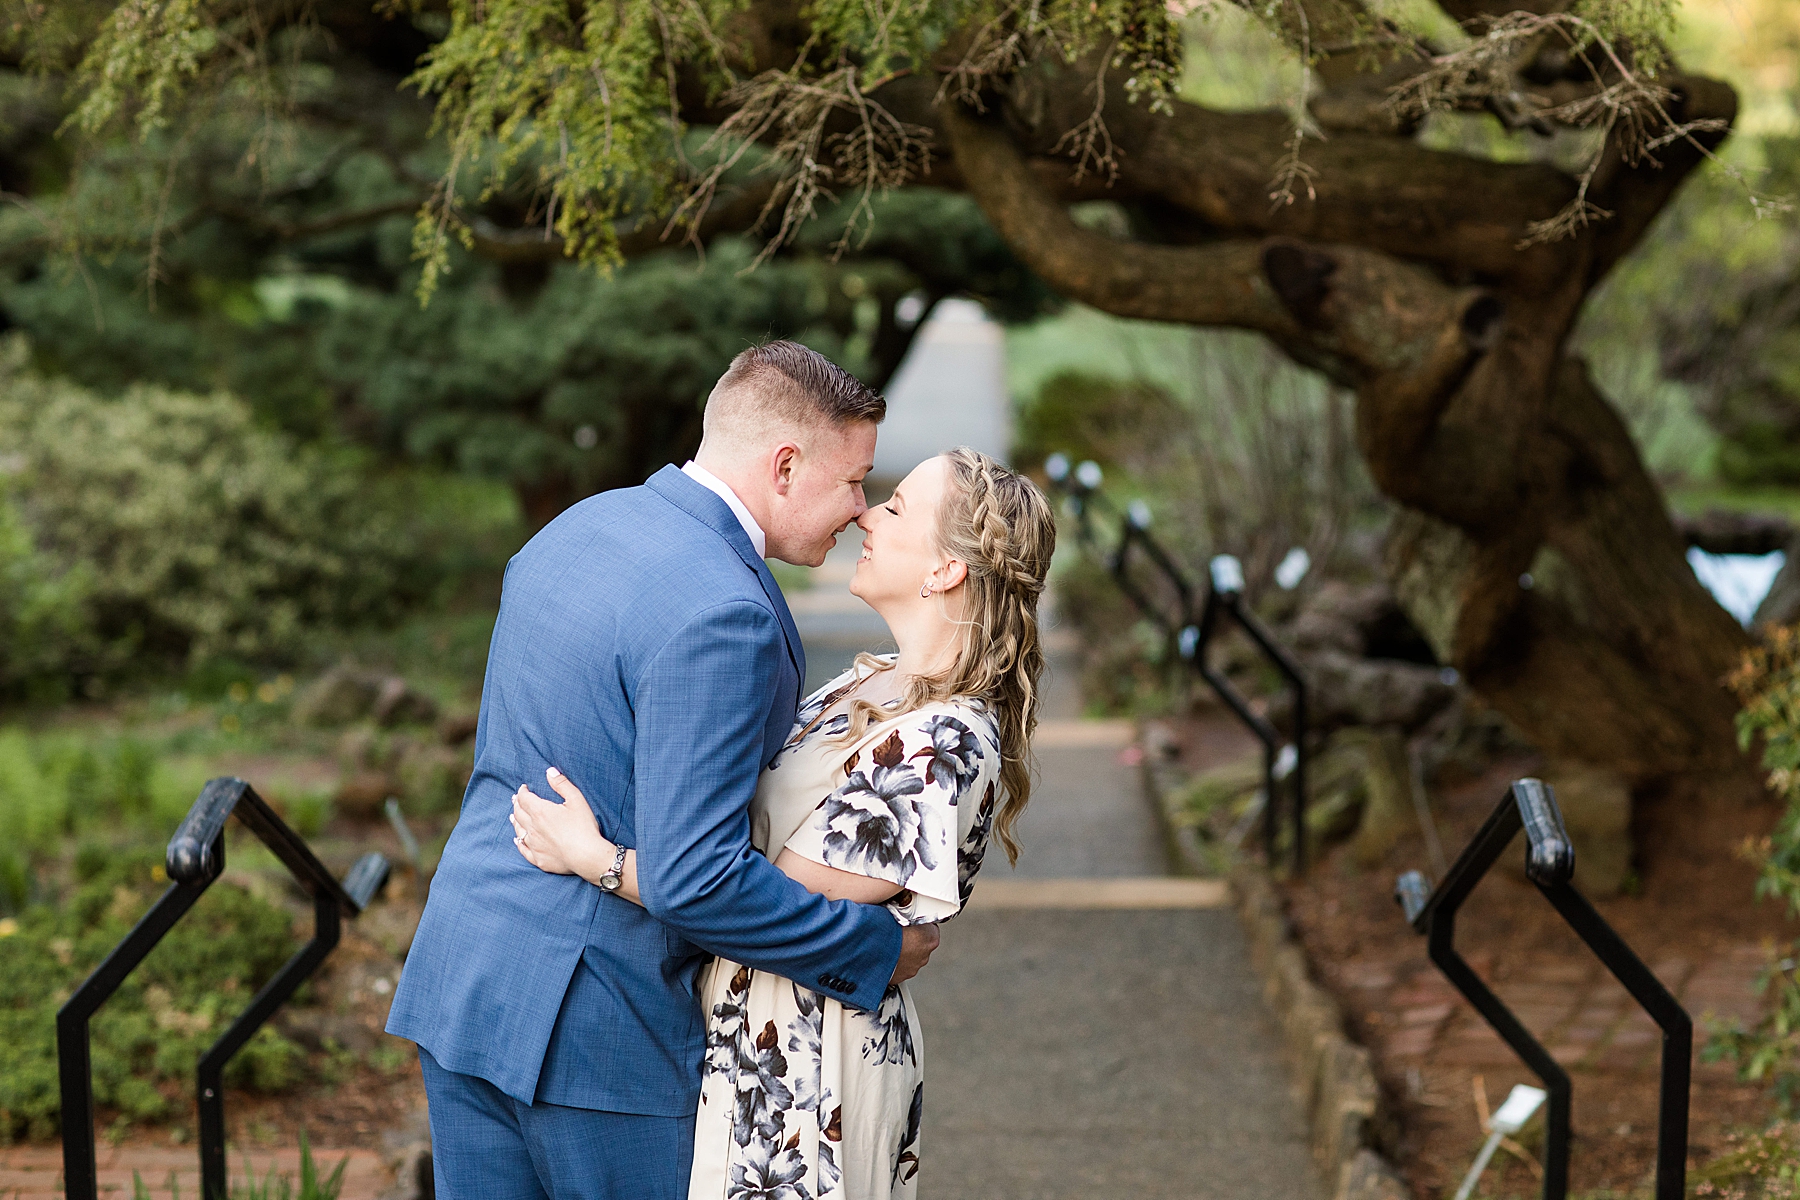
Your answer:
<point x="1534" y="549"/>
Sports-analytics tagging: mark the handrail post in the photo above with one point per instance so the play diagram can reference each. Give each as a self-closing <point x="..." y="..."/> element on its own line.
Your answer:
<point x="1191" y="634"/>
<point x="194" y="860"/>
<point x="1677" y="1030"/>
<point x="1441" y="946"/>
<point x="1299" y="773"/>
<point x="1550" y="865"/>
<point x="209" y="1075"/>
<point x="74" y="1053"/>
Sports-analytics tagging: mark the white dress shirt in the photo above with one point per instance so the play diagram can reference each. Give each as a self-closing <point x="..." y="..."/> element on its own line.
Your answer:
<point x="713" y="483"/>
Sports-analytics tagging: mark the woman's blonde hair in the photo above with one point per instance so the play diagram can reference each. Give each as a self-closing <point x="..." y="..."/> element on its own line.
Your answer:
<point x="1000" y="527"/>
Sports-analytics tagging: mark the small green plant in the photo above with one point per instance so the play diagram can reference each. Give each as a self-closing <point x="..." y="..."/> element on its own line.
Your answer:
<point x="1760" y="1166"/>
<point x="57" y="787"/>
<point x="1769" y="1051"/>
<point x="139" y="1191"/>
<point x="273" y="1186"/>
<point x="1767" y="683"/>
<point x="280" y="1187"/>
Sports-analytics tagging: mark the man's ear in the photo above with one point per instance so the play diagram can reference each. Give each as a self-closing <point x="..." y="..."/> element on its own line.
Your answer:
<point x="782" y="464"/>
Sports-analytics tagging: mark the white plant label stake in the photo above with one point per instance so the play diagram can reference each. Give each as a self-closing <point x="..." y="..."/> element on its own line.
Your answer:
<point x="1521" y="1103"/>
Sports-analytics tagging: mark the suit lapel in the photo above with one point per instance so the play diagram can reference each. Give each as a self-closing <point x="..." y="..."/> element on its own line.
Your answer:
<point x="701" y="504"/>
<point x="796" y="650"/>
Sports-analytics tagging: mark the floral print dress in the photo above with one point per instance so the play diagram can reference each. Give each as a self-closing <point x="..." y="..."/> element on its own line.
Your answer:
<point x="803" y="1098"/>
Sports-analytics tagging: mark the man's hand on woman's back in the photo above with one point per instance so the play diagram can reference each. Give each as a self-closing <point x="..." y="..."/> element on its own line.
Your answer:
<point x="916" y="944"/>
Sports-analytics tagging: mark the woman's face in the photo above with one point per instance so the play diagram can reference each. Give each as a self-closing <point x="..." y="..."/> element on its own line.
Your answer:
<point x="899" y="550"/>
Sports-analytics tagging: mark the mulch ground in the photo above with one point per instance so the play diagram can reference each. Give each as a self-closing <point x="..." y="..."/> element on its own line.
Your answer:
<point x="1695" y="922"/>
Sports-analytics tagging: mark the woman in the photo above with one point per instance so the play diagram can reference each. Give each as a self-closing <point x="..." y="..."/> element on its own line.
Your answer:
<point x="897" y="773"/>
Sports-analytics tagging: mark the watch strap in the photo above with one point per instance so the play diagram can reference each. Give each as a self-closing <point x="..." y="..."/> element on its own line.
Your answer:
<point x="615" y="877"/>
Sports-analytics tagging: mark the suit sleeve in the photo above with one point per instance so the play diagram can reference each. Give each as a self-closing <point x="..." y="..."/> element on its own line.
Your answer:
<point x="701" y="706"/>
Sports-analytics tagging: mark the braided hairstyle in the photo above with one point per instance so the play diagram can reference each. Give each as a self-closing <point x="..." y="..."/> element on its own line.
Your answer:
<point x="1000" y="527"/>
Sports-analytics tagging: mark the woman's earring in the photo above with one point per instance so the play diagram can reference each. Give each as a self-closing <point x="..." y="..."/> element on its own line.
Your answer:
<point x="925" y="590"/>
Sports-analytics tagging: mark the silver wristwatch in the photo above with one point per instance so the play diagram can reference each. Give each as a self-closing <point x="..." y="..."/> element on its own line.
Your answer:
<point x="614" y="879"/>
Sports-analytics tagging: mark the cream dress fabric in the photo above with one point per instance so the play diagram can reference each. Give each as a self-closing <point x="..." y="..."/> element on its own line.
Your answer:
<point x="801" y="1097"/>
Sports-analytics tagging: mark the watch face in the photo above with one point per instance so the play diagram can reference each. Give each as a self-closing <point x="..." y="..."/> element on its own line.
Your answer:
<point x="610" y="883"/>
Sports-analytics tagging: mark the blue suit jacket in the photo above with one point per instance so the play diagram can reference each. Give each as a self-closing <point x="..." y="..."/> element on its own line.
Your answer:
<point x="644" y="650"/>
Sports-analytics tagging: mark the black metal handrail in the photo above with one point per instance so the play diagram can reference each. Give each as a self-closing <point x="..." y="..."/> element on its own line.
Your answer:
<point x="1550" y="864"/>
<point x="1191" y="634"/>
<point x="195" y="859"/>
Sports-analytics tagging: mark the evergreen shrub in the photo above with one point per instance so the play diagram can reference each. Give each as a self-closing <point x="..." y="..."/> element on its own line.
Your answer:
<point x="162" y="529"/>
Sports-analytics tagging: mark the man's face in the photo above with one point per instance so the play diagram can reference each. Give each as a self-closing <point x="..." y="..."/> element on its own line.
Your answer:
<point x="819" y="492"/>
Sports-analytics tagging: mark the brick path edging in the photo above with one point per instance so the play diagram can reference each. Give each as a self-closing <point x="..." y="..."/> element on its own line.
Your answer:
<point x="1337" y="1082"/>
<point x="1343" y="1103"/>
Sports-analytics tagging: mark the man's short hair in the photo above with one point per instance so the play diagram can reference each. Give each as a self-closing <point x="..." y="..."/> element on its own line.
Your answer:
<point x="784" y="384"/>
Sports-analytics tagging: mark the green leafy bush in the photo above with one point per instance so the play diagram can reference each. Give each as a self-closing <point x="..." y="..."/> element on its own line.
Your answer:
<point x="1125" y="660"/>
<point x="1112" y="421"/>
<point x="578" y="383"/>
<point x="149" y="1035"/>
<point x="41" y="618"/>
<point x="168" y="528"/>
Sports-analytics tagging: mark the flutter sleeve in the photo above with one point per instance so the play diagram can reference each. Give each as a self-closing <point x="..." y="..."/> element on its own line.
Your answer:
<point x="898" y="814"/>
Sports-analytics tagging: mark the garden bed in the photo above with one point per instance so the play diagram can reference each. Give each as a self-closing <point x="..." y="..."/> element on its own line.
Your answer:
<point x="94" y="795"/>
<point x="1693" y="920"/>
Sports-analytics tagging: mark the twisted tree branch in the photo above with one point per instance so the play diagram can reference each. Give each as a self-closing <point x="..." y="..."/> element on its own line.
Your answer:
<point x="1362" y="315"/>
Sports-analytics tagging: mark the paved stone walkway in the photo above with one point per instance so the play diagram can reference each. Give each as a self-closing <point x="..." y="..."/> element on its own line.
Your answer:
<point x="1092" y="1027"/>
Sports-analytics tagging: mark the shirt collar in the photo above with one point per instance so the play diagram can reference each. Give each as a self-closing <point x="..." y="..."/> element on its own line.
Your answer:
<point x="713" y="483"/>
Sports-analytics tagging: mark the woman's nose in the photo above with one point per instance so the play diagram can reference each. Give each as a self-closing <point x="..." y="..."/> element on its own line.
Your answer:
<point x="863" y="520"/>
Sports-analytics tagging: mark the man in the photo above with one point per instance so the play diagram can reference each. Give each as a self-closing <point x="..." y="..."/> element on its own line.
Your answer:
<point x="644" y="650"/>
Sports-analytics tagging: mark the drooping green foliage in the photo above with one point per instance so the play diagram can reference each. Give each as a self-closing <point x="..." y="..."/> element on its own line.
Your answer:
<point x="575" y="107"/>
<point x="587" y="96"/>
<point x="578" y="108"/>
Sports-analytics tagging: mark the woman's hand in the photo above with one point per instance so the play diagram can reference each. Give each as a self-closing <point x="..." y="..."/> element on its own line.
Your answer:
<point x="563" y="839"/>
